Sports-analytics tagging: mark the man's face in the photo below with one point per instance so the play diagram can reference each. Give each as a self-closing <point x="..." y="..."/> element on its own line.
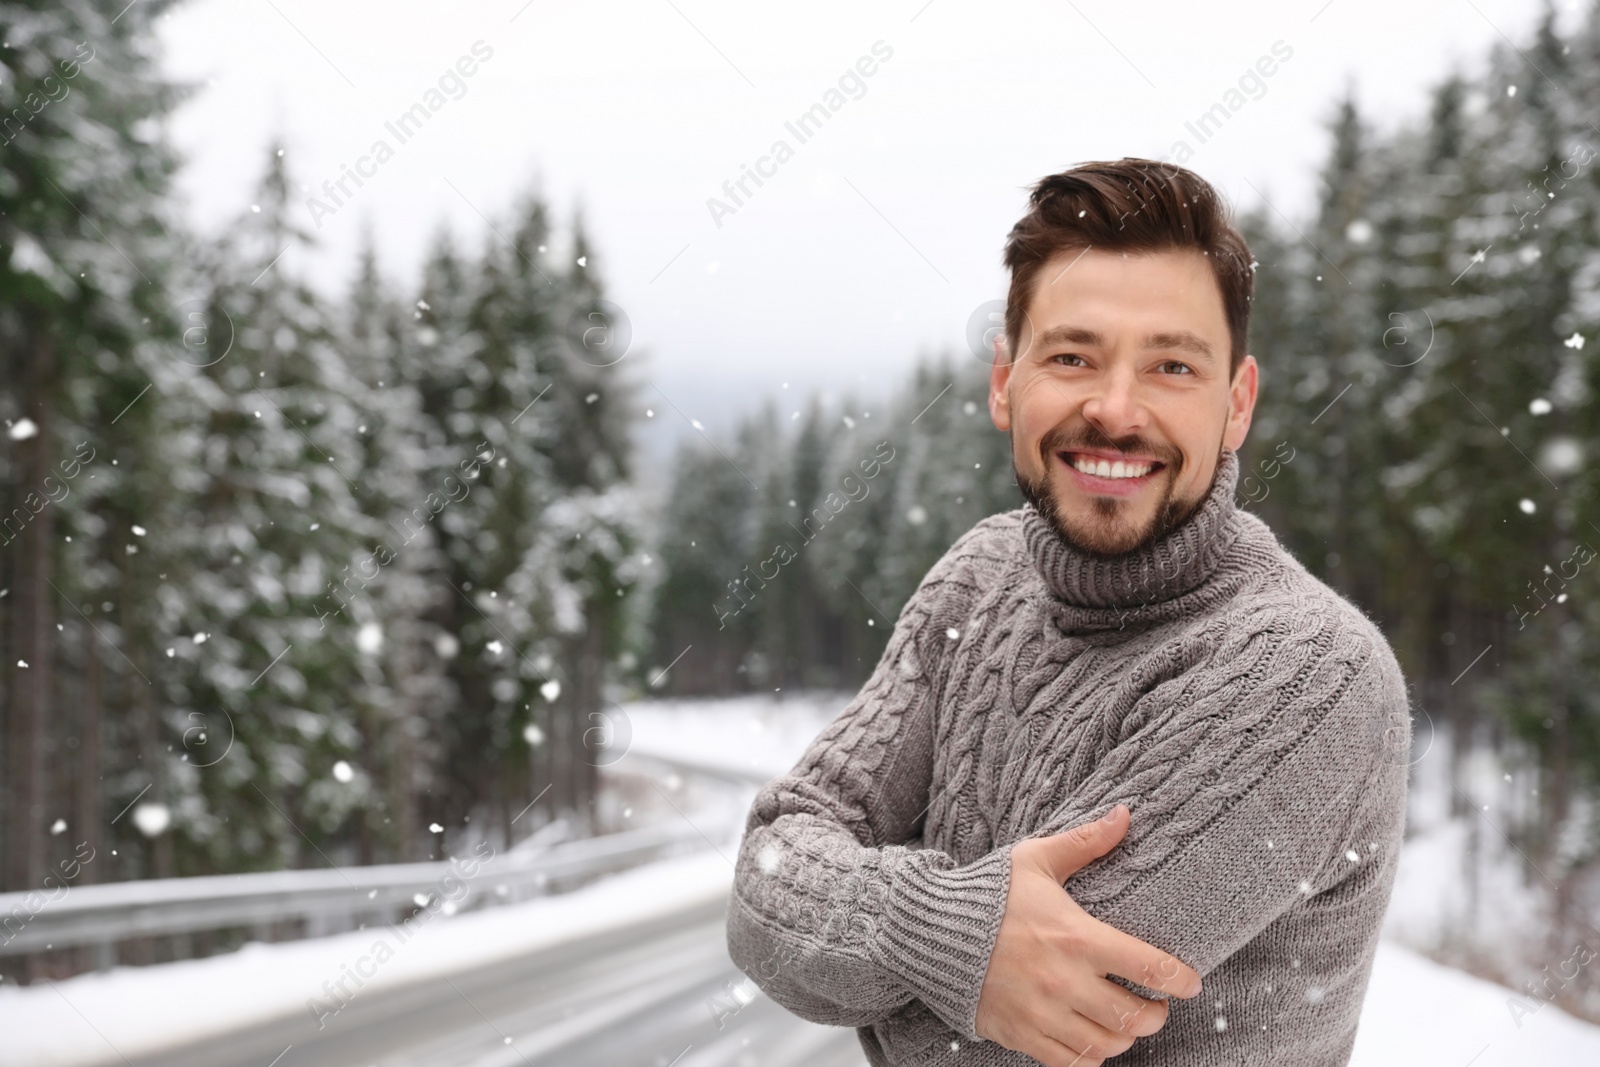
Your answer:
<point x="1124" y="366"/>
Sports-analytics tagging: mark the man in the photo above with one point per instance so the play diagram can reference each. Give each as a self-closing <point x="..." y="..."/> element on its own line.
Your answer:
<point x="1126" y="689"/>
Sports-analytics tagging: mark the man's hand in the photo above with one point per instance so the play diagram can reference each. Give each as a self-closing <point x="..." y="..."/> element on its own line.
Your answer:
<point x="1046" y="993"/>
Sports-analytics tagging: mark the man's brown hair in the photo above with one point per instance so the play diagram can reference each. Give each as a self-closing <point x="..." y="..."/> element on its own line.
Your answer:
<point x="1131" y="205"/>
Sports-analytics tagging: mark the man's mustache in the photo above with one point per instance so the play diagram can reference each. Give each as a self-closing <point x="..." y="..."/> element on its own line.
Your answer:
<point x="1061" y="440"/>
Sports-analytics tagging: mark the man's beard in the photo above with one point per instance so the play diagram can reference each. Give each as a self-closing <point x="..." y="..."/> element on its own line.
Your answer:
<point x="1102" y="539"/>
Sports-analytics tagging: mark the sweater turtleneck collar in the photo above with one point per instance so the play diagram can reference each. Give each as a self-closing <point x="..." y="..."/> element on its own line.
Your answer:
<point x="1148" y="584"/>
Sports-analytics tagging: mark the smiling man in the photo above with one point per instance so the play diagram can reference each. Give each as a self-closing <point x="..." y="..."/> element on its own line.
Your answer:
<point x="1121" y="747"/>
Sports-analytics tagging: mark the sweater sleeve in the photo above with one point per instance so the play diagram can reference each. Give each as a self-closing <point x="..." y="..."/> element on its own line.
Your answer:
<point x="836" y="913"/>
<point x="1281" y="779"/>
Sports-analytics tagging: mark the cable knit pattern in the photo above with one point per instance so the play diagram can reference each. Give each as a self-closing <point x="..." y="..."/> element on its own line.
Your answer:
<point x="1242" y="710"/>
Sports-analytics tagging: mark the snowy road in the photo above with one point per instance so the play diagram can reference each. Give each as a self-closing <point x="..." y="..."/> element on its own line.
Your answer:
<point x="638" y="996"/>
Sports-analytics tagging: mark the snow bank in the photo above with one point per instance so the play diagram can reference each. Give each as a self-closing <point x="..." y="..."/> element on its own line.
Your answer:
<point x="1421" y="1012"/>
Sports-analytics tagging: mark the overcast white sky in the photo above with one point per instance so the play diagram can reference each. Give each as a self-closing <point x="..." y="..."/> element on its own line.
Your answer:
<point x="877" y="240"/>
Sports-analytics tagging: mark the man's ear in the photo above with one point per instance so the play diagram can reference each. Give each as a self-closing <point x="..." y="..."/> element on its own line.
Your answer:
<point x="999" y="376"/>
<point x="1241" y="403"/>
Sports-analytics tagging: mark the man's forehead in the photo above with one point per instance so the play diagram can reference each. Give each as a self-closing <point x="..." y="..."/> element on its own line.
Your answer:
<point x="1174" y="288"/>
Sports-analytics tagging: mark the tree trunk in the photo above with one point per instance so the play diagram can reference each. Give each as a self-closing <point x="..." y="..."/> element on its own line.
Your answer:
<point x="88" y="795"/>
<point x="591" y="712"/>
<point x="30" y="708"/>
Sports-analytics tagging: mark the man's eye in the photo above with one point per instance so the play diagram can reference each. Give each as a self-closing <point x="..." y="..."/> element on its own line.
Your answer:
<point x="1183" y="368"/>
<point x="1068" y="355"/>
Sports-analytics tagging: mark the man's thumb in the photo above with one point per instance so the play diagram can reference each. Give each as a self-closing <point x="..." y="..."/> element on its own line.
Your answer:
<point x="1067" y="852"/>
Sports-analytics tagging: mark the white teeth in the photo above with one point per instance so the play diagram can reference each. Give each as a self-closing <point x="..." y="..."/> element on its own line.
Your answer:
<point x="1108" y="469"/>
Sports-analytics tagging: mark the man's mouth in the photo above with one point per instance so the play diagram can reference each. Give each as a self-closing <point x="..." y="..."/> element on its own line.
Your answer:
<point x="1111" y="473"/>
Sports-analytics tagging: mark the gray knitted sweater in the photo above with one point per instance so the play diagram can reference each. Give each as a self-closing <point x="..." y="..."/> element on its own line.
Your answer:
<point x="1255" y="723"/>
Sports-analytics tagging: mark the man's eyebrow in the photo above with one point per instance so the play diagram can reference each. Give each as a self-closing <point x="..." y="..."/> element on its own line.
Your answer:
<point x="1183" y="341"/>
<point x="1071" y="335"/>
<point x="1178" y="340"/>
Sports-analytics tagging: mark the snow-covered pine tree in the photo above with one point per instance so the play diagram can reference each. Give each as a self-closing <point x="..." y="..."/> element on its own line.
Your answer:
<point x="84" y="261"/>
<point x="272" y="592"/>
<point x="401" y="674"/>
<point x="954" y="470"/>
<point x="701" y="547"/>
<point x="586" y="552"/>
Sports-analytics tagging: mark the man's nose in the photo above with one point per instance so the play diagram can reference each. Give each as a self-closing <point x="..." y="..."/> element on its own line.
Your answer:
<point x="1116" y="403"/>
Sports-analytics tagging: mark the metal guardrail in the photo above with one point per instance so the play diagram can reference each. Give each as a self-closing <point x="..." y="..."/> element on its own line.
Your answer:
<point x="101" y="914"/>
<point x="97" y="914"/>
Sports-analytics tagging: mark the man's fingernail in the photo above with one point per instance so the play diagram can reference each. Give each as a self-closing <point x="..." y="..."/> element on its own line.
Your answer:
<point x="1112" y="814"/>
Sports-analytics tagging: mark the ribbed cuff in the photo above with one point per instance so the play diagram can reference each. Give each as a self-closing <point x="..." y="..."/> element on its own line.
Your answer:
<point x="940" y="928"/>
